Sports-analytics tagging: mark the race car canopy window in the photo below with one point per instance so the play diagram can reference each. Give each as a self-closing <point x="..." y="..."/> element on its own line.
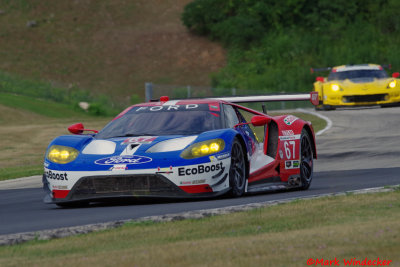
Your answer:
<point x="164" y="120"/>
<point x="357" y="74"/>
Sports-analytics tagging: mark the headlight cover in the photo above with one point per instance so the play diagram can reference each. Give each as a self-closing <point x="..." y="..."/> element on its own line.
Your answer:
<point x="392" y="84"/>
<point x="335" y="87"/>
<point x="204" y="148"/>
<point x="61" y="154"/>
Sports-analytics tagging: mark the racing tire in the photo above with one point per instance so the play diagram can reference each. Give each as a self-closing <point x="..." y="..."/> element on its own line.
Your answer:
<point x="237" y="170"/>
<point x="306" y="160"/>
<point x="324" y="108"/>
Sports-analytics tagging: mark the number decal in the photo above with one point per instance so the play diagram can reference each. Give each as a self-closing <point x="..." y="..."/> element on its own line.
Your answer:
<point x="288" y="151"/>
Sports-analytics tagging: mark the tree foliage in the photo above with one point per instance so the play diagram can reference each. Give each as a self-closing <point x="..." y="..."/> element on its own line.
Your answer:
<point x="272" y="44"/>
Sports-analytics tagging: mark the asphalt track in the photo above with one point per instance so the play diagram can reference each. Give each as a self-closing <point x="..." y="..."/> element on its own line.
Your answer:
<point x="361" y="150"/>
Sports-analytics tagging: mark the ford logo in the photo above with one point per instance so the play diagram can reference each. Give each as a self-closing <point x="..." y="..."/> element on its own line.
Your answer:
<point x="123" y="160"/>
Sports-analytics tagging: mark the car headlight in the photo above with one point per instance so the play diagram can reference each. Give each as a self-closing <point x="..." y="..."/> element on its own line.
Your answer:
<point x="61" y="154"/>
<point x="392" y="84"/>
<point x="204" y="148"/>
<point x="335" y="87"/>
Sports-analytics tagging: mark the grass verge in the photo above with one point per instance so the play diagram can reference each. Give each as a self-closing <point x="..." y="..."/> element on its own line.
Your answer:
<point x="39" y="106"/>
<point x="23" y="171"/>
<point x="342" y="228"/>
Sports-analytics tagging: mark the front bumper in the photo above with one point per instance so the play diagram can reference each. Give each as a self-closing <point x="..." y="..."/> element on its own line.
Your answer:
<point x="191" y="181"/>
<point x="361" y="99"/>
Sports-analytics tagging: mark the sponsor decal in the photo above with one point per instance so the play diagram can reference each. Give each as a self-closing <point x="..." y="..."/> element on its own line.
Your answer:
<point x="281" y="153"/>
<point x="120" y="167"/>
<point x="61" y="176"/>
<point x="202" y="181"/>
<point x="223" y="156"/>
<point x="290" y="119"/>
<point x="139" y="140"/>
<point x="287" y="133"/>
<point x="213" y="107"/>
<point x="219" y="157"/>
<point x="292" y="164"/>
<point x="60" y="187"/>
<point x="199" y="169"/>
<point x="46" y="164"/>
<point x="169" y="107"/>
<point x="289" y="137"/>
<point x="165" y="170"/>
<point x="118" y="160"/>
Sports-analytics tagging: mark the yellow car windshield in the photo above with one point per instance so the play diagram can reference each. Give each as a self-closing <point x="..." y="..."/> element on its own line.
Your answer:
<point x="357" y="74"/>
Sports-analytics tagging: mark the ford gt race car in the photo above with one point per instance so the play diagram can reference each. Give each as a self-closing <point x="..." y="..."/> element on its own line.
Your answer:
<point x="356" y="85"/>
<point x="181" y="148"/>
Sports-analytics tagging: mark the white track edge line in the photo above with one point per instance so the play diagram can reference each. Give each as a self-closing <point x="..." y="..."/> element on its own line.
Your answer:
<point x="328" y="121"/>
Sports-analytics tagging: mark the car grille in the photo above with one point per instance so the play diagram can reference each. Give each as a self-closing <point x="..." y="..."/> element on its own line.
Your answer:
<point x="124" y="185"/>
<point x="364" y="98"/>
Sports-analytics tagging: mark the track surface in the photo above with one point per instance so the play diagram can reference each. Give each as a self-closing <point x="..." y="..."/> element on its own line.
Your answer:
<point x="361" y="150"/>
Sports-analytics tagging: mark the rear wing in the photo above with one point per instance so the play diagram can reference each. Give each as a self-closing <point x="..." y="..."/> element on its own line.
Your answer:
<point x="385" y="66"/>
<point x="312" y="97"/>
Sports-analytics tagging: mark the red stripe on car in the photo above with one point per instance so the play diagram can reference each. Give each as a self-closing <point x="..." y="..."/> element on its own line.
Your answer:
<point x="60" y="193"/>
<point x="193" y="189"/>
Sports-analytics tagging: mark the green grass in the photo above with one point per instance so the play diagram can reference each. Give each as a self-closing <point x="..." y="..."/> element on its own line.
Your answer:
<point x="47" y="99"/>
<point x="40" y="106"/>
<point x="346" y="227"/>
<point x="22" y="171"/>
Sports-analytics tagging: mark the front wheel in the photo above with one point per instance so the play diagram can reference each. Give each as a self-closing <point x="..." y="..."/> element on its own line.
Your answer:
<point x="324" y="107"/>
<point x="306" y="160"/>
<point x="237" y="171"/>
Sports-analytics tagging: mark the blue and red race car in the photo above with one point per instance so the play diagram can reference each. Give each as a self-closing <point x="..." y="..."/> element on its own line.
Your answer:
<point x="181" y="148"/>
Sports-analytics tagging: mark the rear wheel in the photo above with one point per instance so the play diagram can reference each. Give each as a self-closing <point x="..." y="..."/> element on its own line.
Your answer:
<point x="237" y="171"/>
<point x="306" y="160"/>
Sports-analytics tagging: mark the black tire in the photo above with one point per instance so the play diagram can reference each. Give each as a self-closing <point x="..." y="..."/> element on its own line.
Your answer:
<point x="237" y="171"/>
<point x="325" y="107"/>
<point x="306" y="160"/>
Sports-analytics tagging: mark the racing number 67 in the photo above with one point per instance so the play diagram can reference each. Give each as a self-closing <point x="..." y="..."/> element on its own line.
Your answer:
<point x="289" y="152"/>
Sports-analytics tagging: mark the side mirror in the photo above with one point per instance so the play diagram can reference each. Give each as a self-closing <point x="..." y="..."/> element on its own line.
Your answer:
<point x="395" y="74"/>
<point x="258" y="120"/>
<point x="320" y="79"/>
<point x="78" y="128"/>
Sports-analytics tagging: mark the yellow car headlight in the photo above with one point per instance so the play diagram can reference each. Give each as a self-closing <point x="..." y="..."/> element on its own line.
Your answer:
<point x="61" y="154"/>
<point x="335" y="87"/>
<point x="203" y="148"/>
<point x="392" y="84"/>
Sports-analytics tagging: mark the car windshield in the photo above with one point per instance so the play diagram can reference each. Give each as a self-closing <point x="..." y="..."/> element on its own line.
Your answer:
<point x="357" y="74"/>
<point x="164" y="120"/>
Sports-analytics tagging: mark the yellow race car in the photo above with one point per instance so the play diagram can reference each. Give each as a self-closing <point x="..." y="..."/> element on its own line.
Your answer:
<point x="357" y="85"/>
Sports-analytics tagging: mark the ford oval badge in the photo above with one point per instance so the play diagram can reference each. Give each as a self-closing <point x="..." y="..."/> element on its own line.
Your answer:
<point x="123" y="160"/>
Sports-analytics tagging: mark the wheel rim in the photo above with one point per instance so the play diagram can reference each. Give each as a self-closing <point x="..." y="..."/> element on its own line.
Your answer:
<point x="237" y="166"/>
<point x="306" y="164"/>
